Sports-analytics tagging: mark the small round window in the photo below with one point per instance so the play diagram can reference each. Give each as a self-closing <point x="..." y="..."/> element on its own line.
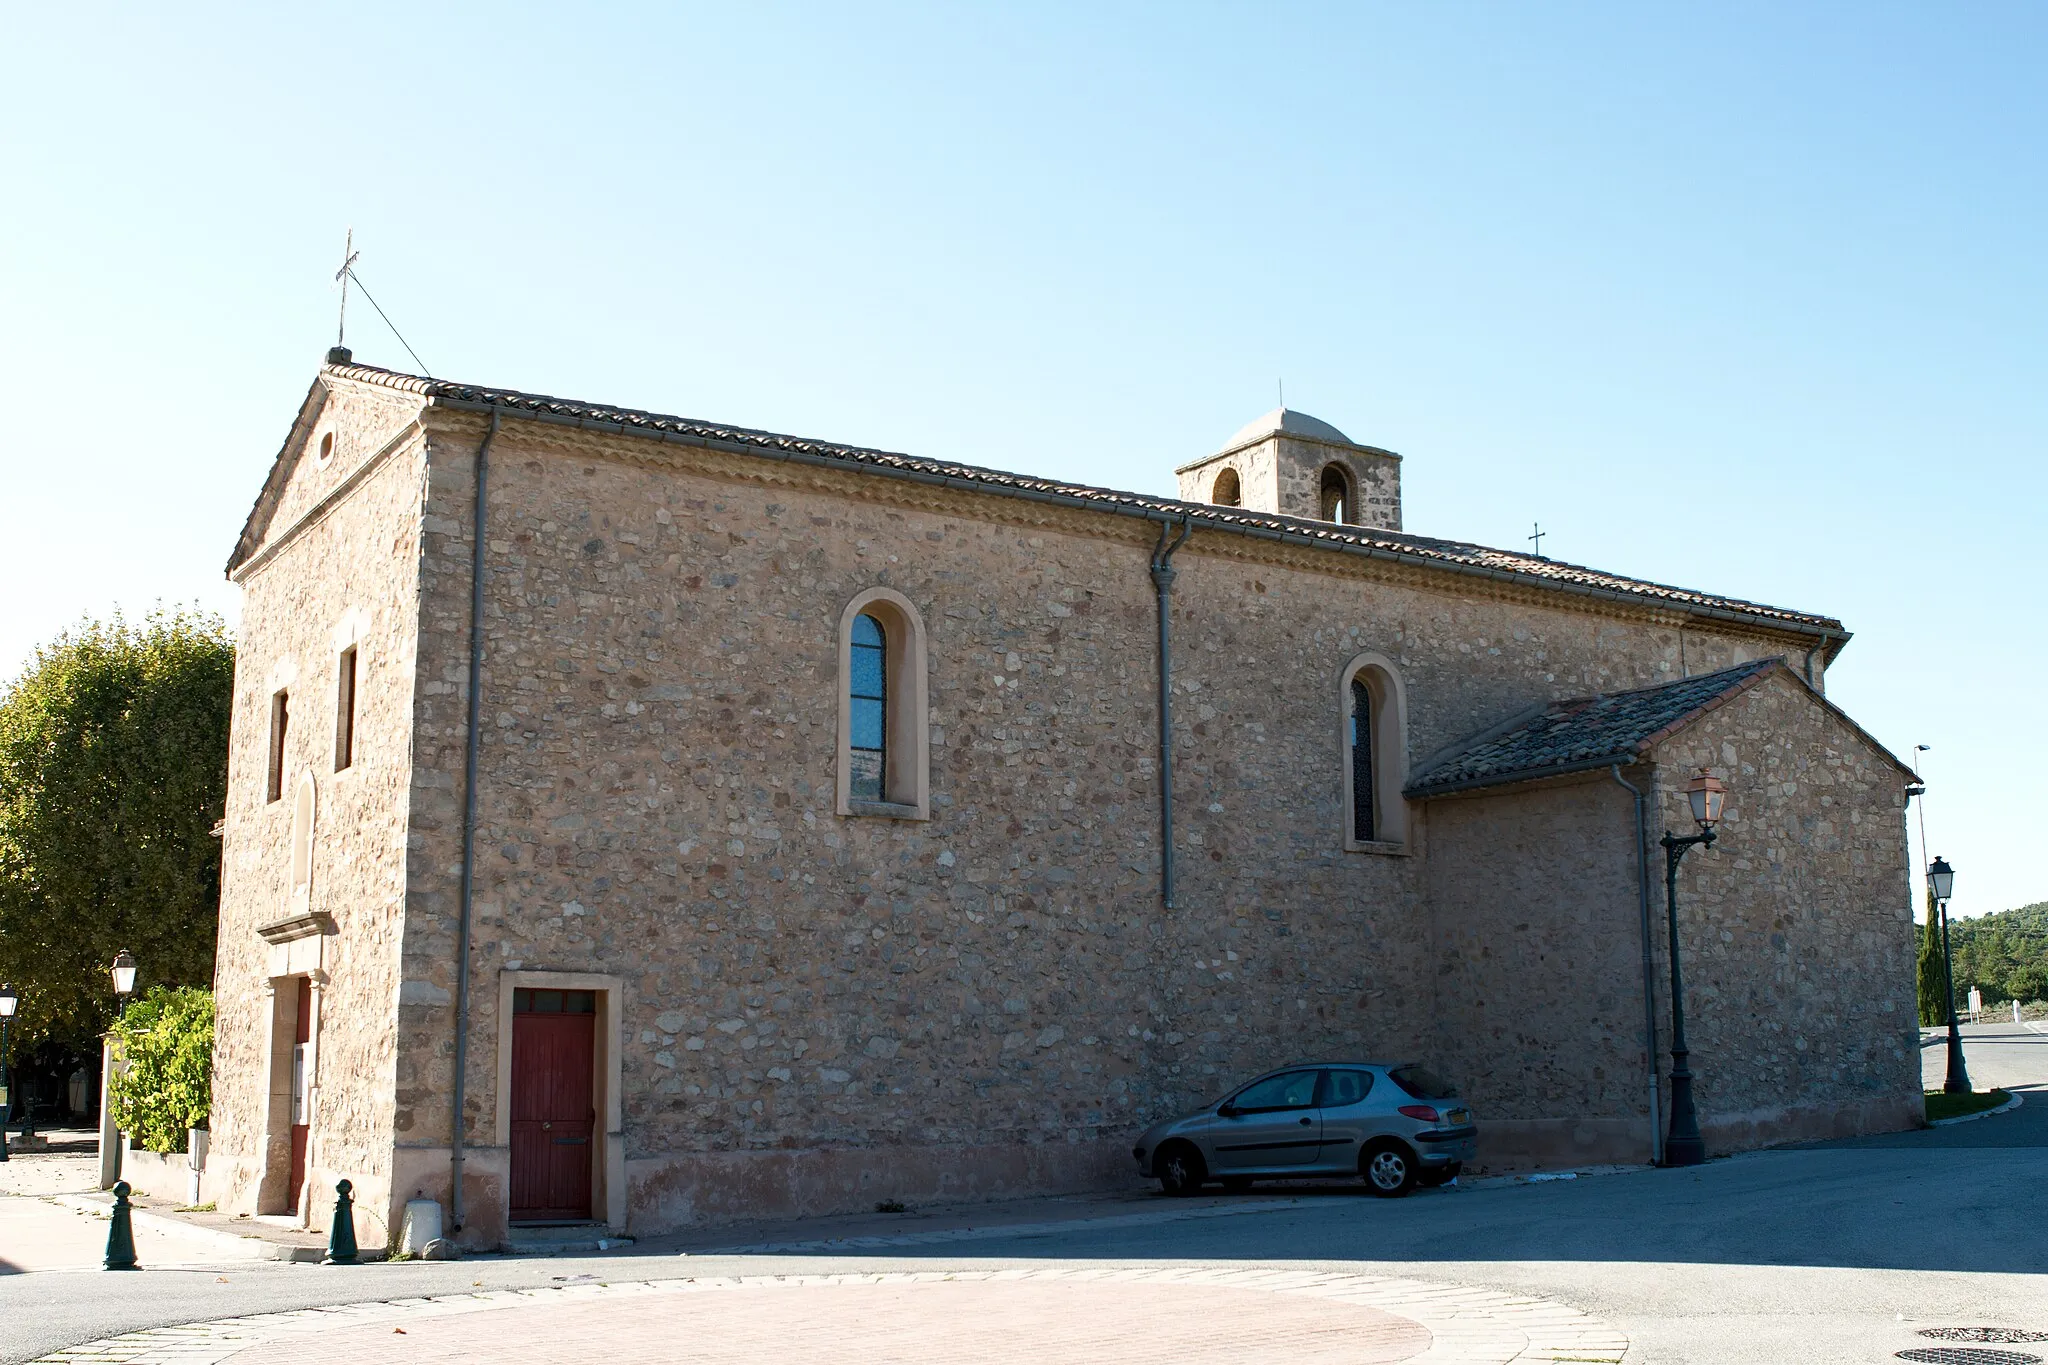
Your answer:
<point x="326" y="447"/>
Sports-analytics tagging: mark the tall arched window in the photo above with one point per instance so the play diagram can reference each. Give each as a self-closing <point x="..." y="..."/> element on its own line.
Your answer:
<point x="884" y="721"/>
<point x="1335" y="499"/>
<point x="1227" y="492"/>
<point x="1374" y="707"/>
<point x="868" y="699"/>
<point x="1362" y="799"/>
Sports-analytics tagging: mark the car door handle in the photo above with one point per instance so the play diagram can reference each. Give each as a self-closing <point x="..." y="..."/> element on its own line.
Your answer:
<point x="1304" y="1123"/>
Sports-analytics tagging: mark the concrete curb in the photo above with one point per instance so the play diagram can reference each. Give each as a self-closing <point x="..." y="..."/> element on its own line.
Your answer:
<point x="242" y="1247"/>
<point x="2012" y="1103"/>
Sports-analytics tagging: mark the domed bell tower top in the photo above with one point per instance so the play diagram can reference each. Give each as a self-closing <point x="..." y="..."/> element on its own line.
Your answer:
<point x="1294" y="464"/>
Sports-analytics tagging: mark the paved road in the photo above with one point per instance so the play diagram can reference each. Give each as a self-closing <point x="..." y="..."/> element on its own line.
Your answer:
<point x="1828" y="1253"/>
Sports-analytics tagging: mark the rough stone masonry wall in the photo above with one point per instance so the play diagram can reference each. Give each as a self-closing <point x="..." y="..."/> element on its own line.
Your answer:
<point x="821" y="1010"/>
<point x="1796" y="932"/>
<point x="360" y="558"/>
<point x="1537" y="981"/>
<point x="1375" y="478"/>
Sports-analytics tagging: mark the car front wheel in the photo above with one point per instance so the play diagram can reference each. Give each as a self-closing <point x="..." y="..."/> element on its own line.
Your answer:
<point x="1180" y="1169"/>
<point x="1388" y="1169"/>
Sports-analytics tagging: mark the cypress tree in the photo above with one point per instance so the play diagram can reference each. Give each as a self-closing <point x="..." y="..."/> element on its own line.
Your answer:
<point x="1933" y="998"/>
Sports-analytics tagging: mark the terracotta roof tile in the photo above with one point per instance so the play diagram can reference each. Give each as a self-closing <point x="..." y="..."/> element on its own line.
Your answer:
<point x="1587" y="732"/>
<point x="1449" y="554"/>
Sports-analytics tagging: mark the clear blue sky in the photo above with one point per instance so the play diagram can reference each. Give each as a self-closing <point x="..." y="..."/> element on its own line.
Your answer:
<point x="1750" y="298"/>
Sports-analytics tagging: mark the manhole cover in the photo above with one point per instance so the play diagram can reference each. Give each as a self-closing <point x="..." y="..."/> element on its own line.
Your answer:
<point x="1968" y="1355"/>
<point x="1982" y="1334"/>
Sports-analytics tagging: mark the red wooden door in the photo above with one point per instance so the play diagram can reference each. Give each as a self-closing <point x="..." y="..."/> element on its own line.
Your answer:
<point x="302" y="1121"/>
<point x="553" y="1116"/>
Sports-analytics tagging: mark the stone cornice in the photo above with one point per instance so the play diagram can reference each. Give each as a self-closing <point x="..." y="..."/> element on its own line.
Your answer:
<point x="297" y="926"/>
<point x="465" y="423"/>
<point x="273" y="545"/>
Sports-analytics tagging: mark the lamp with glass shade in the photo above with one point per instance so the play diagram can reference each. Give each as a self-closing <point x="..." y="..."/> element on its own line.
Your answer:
<point x="124" y="973"/>
<point x="1708" y="794"/>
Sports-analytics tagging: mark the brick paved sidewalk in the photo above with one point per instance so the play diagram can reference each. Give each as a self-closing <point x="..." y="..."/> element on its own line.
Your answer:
<point x="1190" y="1315"/>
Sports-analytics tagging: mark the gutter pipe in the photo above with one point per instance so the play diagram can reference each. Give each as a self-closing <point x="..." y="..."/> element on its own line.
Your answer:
<point x="1649" y="965"/>
<point x="476" y="666"/>
<point x="1819" y="645"/>
<point x="1162" y="581"/>
<point x="1165" y="515"/>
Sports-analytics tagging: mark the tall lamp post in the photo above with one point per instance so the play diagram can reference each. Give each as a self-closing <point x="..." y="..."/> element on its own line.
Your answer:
<point x="10" y="1000"/>
<point x="1683" y="1146"/>
<point x="1941" y="880"/>
<point x="123" y="971"/>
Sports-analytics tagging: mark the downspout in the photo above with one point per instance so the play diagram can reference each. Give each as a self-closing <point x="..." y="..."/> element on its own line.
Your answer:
<point x="476" y="666"/>
<point x="1808" y="665"/>
<point x="1649" y="966"/>
<point x="1162" y="580"/>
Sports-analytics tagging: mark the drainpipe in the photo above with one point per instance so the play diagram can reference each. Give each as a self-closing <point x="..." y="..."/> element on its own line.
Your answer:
<point x="476" y="665"/>
<point x="1162" y="580"/>
<point x="1649" y="966"/>
<point x="1808" y="665"/>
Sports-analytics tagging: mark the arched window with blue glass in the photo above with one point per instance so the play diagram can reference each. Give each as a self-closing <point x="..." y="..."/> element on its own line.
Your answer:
<point x="884" y="724"/>
<point x="868" y="697"/>
<point x="1374" y="741"/>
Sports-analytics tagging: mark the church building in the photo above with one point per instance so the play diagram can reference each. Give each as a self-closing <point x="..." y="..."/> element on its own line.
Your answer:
<point x="646" y="822"/>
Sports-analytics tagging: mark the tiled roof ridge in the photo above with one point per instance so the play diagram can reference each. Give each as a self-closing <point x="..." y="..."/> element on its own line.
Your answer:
<point x="1457" y="555"/>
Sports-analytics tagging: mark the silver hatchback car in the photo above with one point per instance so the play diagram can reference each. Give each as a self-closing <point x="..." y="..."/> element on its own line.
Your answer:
<point x="1395" y="1125"/>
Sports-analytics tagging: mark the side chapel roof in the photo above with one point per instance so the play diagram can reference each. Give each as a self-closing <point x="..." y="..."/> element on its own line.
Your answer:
<point x="1425" y="551"/>
<point x="1599" y="731"/>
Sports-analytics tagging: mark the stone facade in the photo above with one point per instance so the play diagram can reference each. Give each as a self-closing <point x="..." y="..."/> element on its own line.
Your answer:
<point x="803" y="1011"/>
<point x="338" y="567"/>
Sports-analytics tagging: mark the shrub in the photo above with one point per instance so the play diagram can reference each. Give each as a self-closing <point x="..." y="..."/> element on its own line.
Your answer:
<point x="163" y="1067"/>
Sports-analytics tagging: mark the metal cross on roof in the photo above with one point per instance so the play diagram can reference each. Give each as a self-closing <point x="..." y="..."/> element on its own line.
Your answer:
<point x="348" y="260"/>
<point x="1537" y="537"/>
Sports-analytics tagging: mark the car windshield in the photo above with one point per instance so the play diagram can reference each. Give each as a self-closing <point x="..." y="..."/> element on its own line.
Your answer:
<point x="1423" y="1083"/>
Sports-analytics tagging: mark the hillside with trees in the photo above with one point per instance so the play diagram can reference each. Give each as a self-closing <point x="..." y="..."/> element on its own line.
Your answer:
<point x="2004" y="954"/>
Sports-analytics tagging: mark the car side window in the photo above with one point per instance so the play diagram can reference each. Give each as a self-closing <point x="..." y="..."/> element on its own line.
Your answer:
<point x="1344" y="1087"/>
<point x="1289" y="1090"/>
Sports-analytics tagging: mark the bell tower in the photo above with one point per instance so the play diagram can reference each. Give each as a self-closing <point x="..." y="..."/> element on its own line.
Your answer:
<point x="1299" y="466"/>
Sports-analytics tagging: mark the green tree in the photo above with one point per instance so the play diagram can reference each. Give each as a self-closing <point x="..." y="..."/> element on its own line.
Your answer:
<point x="163" y="1077"/>
<point x="113" y="773"/>
<point x="1933" y="997"/>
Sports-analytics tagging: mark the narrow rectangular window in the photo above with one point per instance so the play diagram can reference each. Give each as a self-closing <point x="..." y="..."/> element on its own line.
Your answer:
<point x="867" y="695"/>
<point x="280" y="717"/>
<point x="345" y="710"/>
<point x="1361" y="762"/>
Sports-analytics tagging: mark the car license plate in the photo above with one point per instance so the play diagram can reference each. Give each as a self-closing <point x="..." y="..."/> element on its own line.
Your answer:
<point x="1458" y="1117"/>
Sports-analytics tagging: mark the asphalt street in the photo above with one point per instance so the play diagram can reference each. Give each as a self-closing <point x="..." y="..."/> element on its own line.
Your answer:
<point x="1832" y="1252"/>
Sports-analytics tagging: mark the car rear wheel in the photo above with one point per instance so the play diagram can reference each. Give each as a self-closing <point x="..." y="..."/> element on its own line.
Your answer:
<point x="1388" y="1168"/>
<point x="1180" y="1169"/>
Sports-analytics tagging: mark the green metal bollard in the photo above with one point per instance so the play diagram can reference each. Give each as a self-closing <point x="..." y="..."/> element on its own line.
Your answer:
<point x="121" y="1232"/>
<point x="341" y="1233"/>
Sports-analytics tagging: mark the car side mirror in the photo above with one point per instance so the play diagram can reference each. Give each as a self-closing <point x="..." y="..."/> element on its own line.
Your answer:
<point x="1229" y="1111"/>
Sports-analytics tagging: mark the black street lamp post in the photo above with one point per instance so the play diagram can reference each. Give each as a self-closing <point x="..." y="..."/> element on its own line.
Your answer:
<point x="1941" y="879"/>
<point x="1683" y="1145"/>
<point x="10" y="1000"/>
<point x="123" y="970"/>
